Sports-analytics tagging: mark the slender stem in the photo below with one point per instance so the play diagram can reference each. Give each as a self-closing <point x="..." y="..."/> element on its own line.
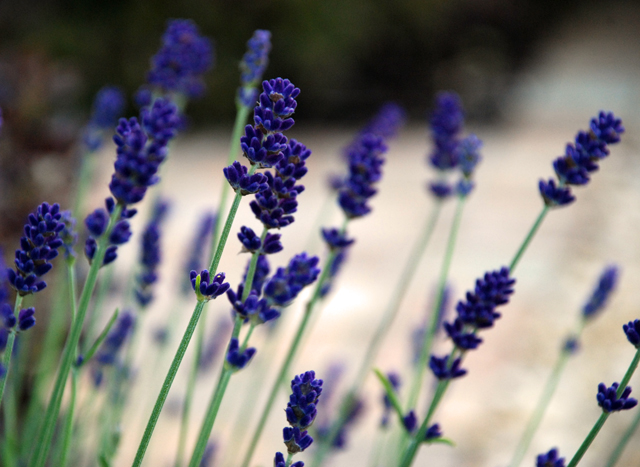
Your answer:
<point x="430" y="332"/>
<point x="412" y="450"/>
<point x="188" y="398"/>
<point x="588" y="440"/>
<point x="8" y="351"/>
<point x="10" y="441"/>
<point x="168" y="381"/>
<point x="284" y="369"/>
<point x="528" y="238"/>
<point x="540" y="409"/>
<point x="214" y="405"/>
<point x="619" y="449"/>
<point x="43" y="440"/>
<point x="289" y="460"/>
<point x="68" y="425"/>
<point x="234" y="148"/>
<point x="603" y="418"/>
<point x="186" y="338"/>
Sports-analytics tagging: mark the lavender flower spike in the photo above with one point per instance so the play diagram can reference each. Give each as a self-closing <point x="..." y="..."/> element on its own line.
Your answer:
<point x="38" y="246"/>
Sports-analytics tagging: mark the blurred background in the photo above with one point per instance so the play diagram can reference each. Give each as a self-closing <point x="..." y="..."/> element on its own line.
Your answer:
<point x="530" y="74"/>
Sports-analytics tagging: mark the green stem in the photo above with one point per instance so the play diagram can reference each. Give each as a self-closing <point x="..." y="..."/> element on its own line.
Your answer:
<point x="8" y="351"/>
<point x="43" y="440"/>
<point x="214" y="405"/>
<point x="528" y="238"/>
<point x="188" y="398"/>
<point x="234" y="147"/>
<point x="168" y="381"/>
<point x="388" y="317"/>
<point x="412" y="450"/>
<point x="430" y="331"/>
<point x="10" y="441"/>
<point x="68" y="425"/>
<point x="588" y="440"/>
<point x="289" y="460"/>
<point x="186" y="338"/>
<point x="284" y="369"/>
<point x="540" y="409"/>
<point x="603" y="418"/>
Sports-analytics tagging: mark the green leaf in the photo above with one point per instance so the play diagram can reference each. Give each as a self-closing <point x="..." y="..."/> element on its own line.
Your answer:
<point x="101" y="338"/>
<point x="391" y="394"/>
<point x="446" y="441"/>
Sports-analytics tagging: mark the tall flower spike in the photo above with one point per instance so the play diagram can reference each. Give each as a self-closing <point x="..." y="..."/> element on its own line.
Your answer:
<point x="301" y="412"/>
<point x="252" y="66"/>
<point x="107" y="355"/>
<point x="38" y="246"/>
<point x="184" y="57"/>
<point x="606" y="285"/>
<point x="446" y="122"/>
<point x="580" y="158"/>
<point x="141" y="149"/>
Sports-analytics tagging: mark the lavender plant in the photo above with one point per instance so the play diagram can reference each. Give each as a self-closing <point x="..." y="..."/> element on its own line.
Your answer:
<point x="276" y="166"/>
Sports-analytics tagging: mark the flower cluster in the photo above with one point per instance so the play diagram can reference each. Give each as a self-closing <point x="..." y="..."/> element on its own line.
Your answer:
<point x="150" y="254"/>
<point x="253" y="243"/>
<point x="632" y="331"/>
<point x="606" y="285"/>
<point x="340" y="244"/>
<point x="25" y="319"/>
<point x="581" y="158"/>
<point x="550" y="459"/>
<point x="301" y="412"/>
<point x="285" y="285"/>
<point x="410" y="423"/>
<point x="97" y="223"/>
<point x="197" y="247"/>
<point x="108" y="105"/>
<point x="252" y="66"/>
<point x="141" y="148"/>
<point x="476" y="312"/>
<point x="610" y="402"/>
<point x="450" y="151"/>
<point x="69" y="234"/>
<point x="38" y="246"/>
<point x="183" y="58"/>
<point x="206" y="288"/>
<point x="107" y="355"/>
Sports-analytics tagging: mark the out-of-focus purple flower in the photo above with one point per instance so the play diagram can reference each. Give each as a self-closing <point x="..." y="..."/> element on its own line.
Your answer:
<point x="606" y="285"/>
<point x="150" y="254"/>
<point x="279" y="461"/>
<point x="236" y="358"/>
<point x="550" y="459"/>
<point x="184" y="57"/>
<point x="286" y="283"/>
<point x="97" y="223"/>
<point x="252" y="66"/>
<point x="69" y="234"/>
<point x="214" y="344"/>
<point x="108" y="106"/>
<point x="553" y="195"/>
<point x="442" y="370"/>
<point x="394" y="379"/>
<point x="446" y="122"/>
<point x="109" y="350"/>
